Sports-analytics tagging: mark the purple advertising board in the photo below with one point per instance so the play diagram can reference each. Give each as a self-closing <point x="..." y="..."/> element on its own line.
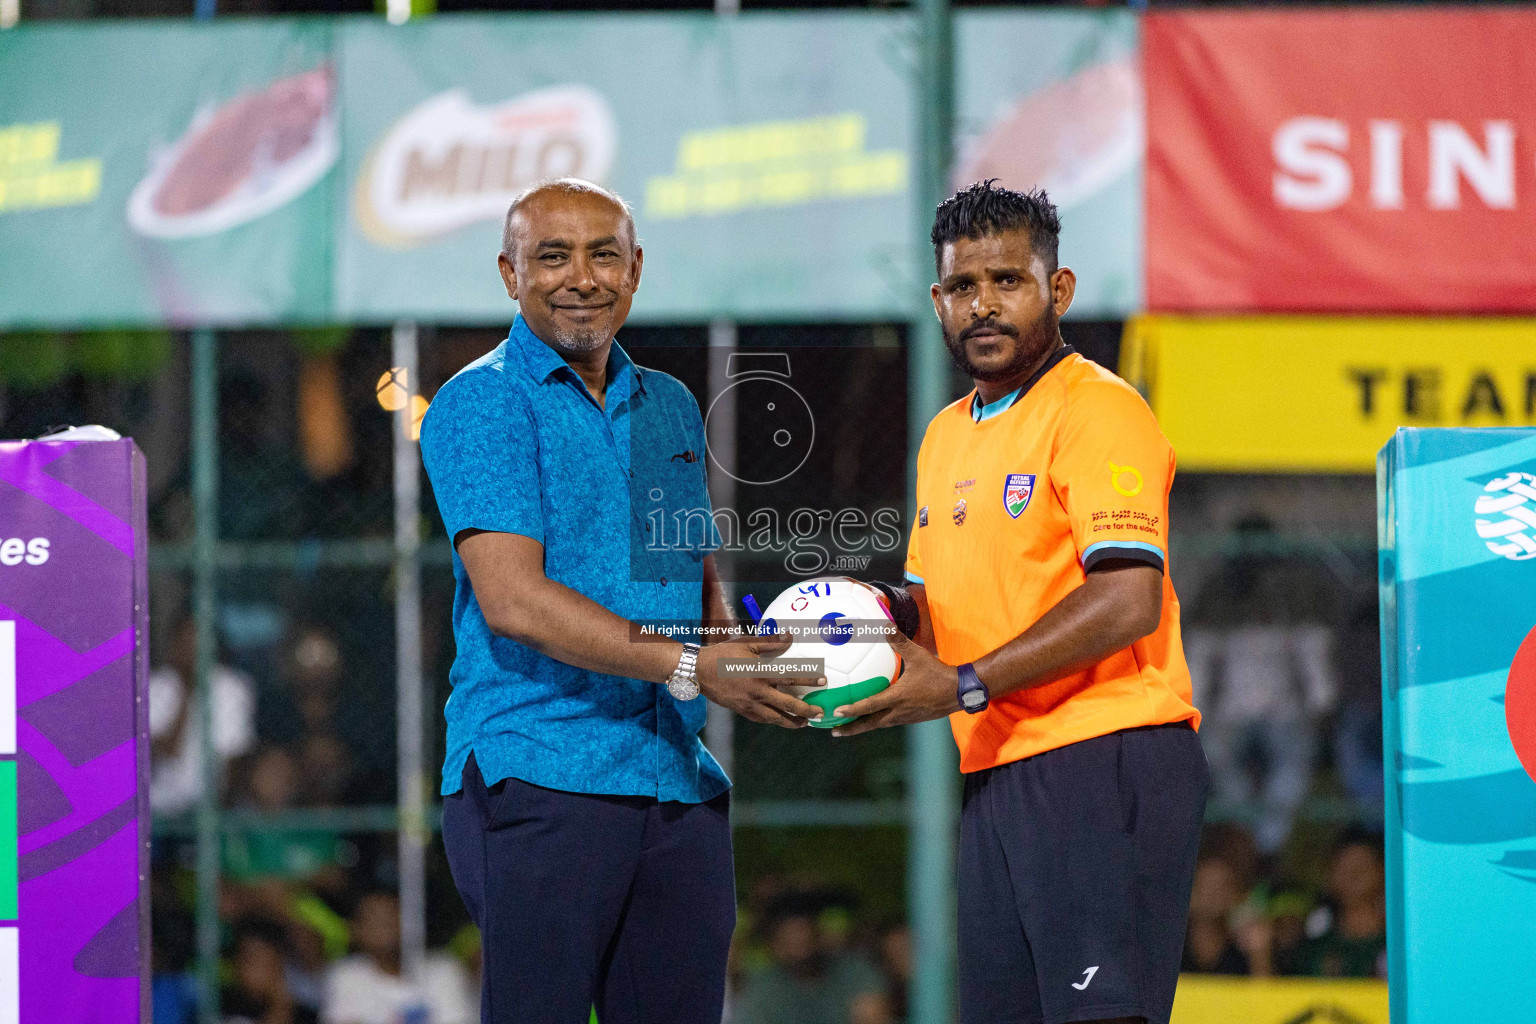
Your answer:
<point x="74" y="737"/>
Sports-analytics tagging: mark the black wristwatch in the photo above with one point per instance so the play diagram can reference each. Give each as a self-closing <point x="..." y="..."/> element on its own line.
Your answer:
<point x="973" y="692"/>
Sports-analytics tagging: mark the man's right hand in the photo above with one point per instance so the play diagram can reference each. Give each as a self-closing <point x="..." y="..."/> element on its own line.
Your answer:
<point x="754" y="697"/>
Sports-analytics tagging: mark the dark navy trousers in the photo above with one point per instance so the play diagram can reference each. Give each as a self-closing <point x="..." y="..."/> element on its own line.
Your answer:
<point x="622" y="903"/>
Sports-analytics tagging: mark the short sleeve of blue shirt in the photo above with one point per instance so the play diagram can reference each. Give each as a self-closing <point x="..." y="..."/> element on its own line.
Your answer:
<point x="480" y="449"/>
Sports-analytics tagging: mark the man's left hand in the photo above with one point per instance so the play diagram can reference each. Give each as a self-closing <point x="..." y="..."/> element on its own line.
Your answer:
<point x="925" y="689"/>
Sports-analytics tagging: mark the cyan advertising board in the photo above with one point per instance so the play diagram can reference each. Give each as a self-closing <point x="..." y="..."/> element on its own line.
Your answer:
<point x="1458" y="586"/>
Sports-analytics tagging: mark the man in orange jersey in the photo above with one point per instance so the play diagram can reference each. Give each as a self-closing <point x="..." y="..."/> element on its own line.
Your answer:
<point x="1047" y="631"/>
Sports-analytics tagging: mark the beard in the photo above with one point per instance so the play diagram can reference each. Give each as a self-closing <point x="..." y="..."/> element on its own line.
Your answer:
<point x="1029" y="345"/>
<point x="580" y="340"/>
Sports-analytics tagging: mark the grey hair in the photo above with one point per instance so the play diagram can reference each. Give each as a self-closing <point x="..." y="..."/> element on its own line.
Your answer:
<point x="570" y="186"/>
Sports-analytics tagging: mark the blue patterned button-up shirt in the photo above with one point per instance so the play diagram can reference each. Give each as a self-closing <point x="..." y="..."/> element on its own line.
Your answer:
<point x="514" y="443"/>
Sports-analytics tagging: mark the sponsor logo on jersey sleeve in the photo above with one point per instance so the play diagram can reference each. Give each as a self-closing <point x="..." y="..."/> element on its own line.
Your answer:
<point x="1125" y="480"/>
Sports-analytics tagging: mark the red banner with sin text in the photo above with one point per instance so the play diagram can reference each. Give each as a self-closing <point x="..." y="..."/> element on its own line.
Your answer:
<point x="1342" y="160"/>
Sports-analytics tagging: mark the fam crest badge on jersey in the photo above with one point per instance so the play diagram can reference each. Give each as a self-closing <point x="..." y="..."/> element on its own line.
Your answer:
<point x="1017" y="489"/>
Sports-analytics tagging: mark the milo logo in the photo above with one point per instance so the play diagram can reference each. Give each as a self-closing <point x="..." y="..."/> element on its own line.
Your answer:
<point x="449" y="163"/>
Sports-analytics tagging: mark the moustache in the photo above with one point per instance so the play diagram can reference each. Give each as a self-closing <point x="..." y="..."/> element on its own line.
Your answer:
<point x="989" y="327"/>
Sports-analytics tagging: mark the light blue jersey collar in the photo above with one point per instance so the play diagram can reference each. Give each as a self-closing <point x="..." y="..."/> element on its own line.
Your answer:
<point x="981" y="412"/>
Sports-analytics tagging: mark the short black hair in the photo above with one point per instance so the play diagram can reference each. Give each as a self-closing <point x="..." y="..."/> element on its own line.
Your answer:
<point x="985" y="207"/>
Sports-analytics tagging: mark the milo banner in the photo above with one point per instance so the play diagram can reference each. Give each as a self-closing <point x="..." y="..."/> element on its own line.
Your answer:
<point x="74" y="737"/>
<point x="1067" y="116"/>
<point x="767" y="158"/>
<point x="166" y="173"/>
<point x="299" y="170"/>
<point x="1458" y="578"/>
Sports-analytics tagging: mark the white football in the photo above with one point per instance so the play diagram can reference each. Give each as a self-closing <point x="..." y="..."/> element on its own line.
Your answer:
<point x="836" y="621"/>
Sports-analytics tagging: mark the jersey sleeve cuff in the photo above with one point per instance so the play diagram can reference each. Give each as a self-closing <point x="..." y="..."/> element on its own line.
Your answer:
<point x="1123" y="551"/>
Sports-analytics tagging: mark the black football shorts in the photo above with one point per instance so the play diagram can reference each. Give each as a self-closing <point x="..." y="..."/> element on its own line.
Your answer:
<point x="1075" y="868"/>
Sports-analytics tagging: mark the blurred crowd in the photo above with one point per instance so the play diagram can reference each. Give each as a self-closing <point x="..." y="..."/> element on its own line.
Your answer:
<point x="1249" y="918"/>
<point x="1285" y="660"/>
<point x="1285" y="669"/>
<point x="1282" y="644"/>
<point x="805" y="955"/>
<point x="302" y="954"/>
<point x="323" y="946"/>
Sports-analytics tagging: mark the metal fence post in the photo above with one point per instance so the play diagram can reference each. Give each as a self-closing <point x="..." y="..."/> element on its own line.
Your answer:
<point x="720" y="723"/>
<point x="205" y="508"/>
<point x="932" y="777"/>
<point x="205" y="505"/>
<point x="408" y="671"/>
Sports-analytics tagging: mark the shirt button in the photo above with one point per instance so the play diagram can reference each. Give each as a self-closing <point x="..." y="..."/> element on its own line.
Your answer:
<point x="647" y="527"/>
<point x="663" y="581"/>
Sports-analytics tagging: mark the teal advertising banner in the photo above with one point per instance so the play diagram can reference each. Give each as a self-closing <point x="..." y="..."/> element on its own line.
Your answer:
<point x="290" y="171"/>
<point x="1458" y="586"/>
<point x="166" y="173"/>
<point x="1064" y="112"/>
<point x="766" y="158"/>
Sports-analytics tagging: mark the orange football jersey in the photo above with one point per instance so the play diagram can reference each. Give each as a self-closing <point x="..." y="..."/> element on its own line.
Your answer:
<point x="1017" y="501"/>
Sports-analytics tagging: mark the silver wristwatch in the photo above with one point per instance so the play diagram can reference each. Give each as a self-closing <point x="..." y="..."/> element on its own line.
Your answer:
<point x="683" y="683"/>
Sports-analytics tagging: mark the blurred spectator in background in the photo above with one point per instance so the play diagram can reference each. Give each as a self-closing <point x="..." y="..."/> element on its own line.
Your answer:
<point x="1357" y="732"/>
<point x="325" y="771"/>
<point x="1350" y="933"/>
<point x="1261" y="662"/>
<point x="1210" y="946"/>
<point x="317" y="936"/>
<point x="258" y="992"/>
<point x="289" y="857"/>
<point x="176" y="775"/>
<point x="1288" y="912"/>
<point x="804" y="982"/>
<point x="369" y="987"/>
<point x="314" y="686"/>
<point x="895" y="948"/>
<point x="312" y="671"/>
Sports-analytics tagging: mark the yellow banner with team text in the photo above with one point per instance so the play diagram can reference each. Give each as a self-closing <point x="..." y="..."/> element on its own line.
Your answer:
<point x="1323" y="394"/>
<point x="1204" y="999"/>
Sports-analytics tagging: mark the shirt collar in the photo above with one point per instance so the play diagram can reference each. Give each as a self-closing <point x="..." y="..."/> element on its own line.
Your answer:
<point x="542" y="362"/>
<point x="981" y="412"/>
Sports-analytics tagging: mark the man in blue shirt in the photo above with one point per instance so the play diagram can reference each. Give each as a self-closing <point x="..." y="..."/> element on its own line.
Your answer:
<point x="585" y="823"/>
